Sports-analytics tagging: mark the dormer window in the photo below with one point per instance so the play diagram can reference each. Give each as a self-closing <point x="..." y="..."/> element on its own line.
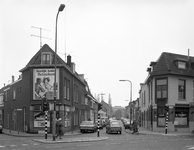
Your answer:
<point x="46" y="58"/>
<point x="181" y="65"/>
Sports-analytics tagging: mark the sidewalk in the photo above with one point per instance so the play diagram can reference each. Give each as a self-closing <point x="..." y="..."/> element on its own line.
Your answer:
<point x="66" y="138"/>
<point x="144" y="131"/>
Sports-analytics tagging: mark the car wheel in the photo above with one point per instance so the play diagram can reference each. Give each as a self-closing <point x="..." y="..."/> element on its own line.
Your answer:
<point x="120" y="132"/>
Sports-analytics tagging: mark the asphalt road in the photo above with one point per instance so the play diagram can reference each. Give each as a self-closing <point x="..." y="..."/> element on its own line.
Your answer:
<point x="125" y="141"/>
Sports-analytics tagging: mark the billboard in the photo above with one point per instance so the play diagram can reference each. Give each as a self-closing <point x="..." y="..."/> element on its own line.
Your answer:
<point x="43" y="83"/>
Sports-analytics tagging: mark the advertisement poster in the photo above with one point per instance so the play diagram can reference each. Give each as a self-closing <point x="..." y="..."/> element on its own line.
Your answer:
<point x="43" y="83"/>
<point x="40" y="121"/>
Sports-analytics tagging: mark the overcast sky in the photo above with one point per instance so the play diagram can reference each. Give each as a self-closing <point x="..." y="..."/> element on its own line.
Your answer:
<point x="108" y="40"/>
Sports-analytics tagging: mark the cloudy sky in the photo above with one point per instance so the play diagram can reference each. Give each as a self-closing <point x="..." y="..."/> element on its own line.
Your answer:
<point x="108" y="40"/>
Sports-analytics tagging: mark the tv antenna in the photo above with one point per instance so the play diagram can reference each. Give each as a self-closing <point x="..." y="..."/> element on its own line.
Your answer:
<point x="40" y="36"/>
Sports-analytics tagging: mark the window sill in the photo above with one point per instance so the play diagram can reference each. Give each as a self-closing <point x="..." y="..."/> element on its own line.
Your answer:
<point x="181" y="99"/>
<point x="181" y="126"/>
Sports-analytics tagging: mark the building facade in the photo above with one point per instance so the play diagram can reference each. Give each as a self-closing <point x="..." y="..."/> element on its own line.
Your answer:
<point x="170" y="84"/>
<point x="21" y="101"/>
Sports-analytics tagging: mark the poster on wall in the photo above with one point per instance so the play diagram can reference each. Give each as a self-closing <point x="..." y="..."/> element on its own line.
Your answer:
<point x="43" y="83"/>
<point x="40" y="121"/>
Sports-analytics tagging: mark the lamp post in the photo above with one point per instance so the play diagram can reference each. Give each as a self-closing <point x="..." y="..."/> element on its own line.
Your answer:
<point x="61" y="7"/>
<point x="101" y="95"/>
<point x="130" y="96"/>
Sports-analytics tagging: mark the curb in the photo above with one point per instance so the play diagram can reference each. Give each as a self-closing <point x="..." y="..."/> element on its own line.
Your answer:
<point x="71" y="140"/>
<point x="38" y="135"/>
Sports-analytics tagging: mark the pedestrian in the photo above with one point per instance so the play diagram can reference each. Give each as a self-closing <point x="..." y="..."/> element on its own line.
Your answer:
<point x="59" y="127"/>
<point x="135" y="127"/>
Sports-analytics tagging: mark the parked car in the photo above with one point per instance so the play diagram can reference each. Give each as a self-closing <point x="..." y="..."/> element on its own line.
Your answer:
<point x="126" y="123"/>
<point x="114" y="127"/>
<point x="88" y="126"/>
<point x="1" y="128"/>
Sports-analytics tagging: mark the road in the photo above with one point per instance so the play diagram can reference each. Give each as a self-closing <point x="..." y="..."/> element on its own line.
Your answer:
<point x="125" y="141"/>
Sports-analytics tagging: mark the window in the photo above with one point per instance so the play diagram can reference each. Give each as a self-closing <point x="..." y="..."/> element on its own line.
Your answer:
<point x="181" y="65"/>
<point x="75" y="93"/>
<point x="46" y="58"/>
<point x="161" y="88"/>
<point x="68" y="86"/>
<point x="144" y="98"/>
<point x="181" y="89"/>
<point x="1" y="114"/>
<point x="86" y="101"/>
<point x="82" y="97"/>
<point x="65" y="88"/>
<point x="14" y="94"/>
<point x="181" y="116"/>
<point x="193" y="90"/>
<point x="5" y="96"/>
<point x="67" y="115"/>
<point x="1" y="98"/>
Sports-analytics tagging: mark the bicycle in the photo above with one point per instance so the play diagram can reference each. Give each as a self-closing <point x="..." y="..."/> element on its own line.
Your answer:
<point x="136" y="131"/>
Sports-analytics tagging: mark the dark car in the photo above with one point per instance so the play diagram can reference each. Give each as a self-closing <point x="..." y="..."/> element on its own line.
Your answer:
<point x="127" y="124"/>
<point x="1" y="128"/>
<point x="114" y="127"/>
<point x="88" y="126"/>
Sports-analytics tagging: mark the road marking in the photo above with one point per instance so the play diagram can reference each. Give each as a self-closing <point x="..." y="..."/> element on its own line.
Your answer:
<point x="2" y="146"/>
<point x="13" y="145"/>
<point x="191" y="148"/>
<point x="24" y="144"/>
<point x="84" y="145"/>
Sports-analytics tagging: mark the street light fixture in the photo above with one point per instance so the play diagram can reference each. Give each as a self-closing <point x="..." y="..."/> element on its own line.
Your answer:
<point x="101" y="95"/>
<point x="61" y="7"/>
<point x="130" y="95"/>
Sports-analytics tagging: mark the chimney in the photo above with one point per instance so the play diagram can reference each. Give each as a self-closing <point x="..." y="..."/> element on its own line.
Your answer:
<point x="12" y="78"/>
<point x="73" y="67"/>
<point x="69" y="60"/>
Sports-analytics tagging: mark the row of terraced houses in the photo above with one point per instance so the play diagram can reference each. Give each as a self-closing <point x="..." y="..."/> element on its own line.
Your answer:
<point x="20" y="101"/>
<point x="170" y="83"/>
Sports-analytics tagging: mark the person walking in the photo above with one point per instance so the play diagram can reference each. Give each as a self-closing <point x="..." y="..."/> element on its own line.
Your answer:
<point x="59" y="127"/>
<point x="135" y="127"/>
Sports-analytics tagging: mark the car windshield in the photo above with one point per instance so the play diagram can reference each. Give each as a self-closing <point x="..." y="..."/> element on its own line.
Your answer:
<point x="115" y="123"/>
<point x="87" y="122"/>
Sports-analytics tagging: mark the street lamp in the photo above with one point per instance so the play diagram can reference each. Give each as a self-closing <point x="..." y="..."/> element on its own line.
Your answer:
<point x="101" y="95"/>
<point x="130" y="95"/>
<point x="61" y="7"/>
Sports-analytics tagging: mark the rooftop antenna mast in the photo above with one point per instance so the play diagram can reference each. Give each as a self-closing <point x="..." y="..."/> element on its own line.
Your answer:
<point x="40" y="36"/>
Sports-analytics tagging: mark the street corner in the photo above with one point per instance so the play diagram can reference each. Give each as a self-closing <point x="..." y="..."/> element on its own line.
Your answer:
<point x="69" y="140"/>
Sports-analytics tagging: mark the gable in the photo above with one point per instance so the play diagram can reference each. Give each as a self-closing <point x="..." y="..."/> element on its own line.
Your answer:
<point x="36" y="59"/>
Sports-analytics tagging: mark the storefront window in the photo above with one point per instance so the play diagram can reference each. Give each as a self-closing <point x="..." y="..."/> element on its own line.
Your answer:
<point x="67" y="116"/>
<point x="161" y="116"/>
<point x="181" y="116"/>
